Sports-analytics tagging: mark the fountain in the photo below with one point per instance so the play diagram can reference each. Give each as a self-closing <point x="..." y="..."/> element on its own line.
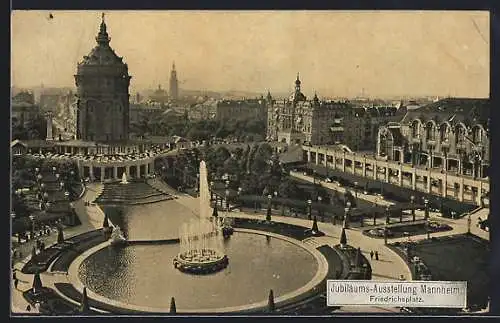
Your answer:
<point x="117" y="236"/>
<point x="201" y="240"/>
<point x="124" y="178"/>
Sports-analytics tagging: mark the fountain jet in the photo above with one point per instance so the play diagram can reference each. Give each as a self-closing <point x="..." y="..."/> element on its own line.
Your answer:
<point x="201" y="240"/>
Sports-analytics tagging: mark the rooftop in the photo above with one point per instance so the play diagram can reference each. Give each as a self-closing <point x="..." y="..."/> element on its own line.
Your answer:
<point x="453" y="110"/>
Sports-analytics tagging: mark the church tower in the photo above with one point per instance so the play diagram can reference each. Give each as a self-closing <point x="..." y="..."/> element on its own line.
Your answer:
<point x="102" y="82"/>
<point x="174" y="84"/>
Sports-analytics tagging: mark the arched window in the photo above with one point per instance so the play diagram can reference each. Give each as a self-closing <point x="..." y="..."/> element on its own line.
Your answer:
<point x="443" y="132"/>
<point x="415" y="128"/>
<point x="460" y="134"/>
<point x="477" y="134"/>
<point x="430" y="131"/>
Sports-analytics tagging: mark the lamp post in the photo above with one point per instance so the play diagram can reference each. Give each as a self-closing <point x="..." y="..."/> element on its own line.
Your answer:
<point x="32" y="218"/>
<point x="320" y="212"/>
<point x="426" y="210"/>
<point x="54" y="169"/>
<point x="469" y="221"/>
<point x="412" y="202"/>
<point x="387" y="215"/>
<point x="212" y="192"/>
<point x="309" y="209"/>
<point x="227" y="201"/>
<point x="385" y="234"/>
<point x="356" y="190"/>
<point x="347" y="214"/>
<point x="197" y="188"/>
<point x="428" y="228"/>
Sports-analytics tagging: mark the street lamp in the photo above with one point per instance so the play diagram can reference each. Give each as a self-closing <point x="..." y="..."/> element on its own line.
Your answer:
<point x="320" y="212"/>
<point x="58" y="175"/>
<point x="32" y="218"/>
<point x="426" y="210"/>
<point x="227" y="200"/>
<point x="469" y="221"/>
<point x="347" y="211"/>
<point x="309" y="209"/>
<point x="275" y="198"/>
<point x="387" y="215"/>
<point x="428" y="227"/>
<point x="37" y="170"/>
<point x="356" y="190"/>
<point x="412" y="202"/>
<point x="54" y="169"/>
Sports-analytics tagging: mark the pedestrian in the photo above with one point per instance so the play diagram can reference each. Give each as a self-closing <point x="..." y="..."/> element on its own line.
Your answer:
<point x="28" y="308"/>
<point x="376" y="255"/>
<point x="16" y="282"/>
<point x="371" y="254"/>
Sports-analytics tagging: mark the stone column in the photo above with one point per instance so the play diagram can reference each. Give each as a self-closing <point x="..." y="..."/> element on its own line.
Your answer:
<point x="317" y="156"/>
<point x="91" y="172"/>
<point x="353" y="164"/>
<point x="138" y="170"/>
<point x="102" y="173"/>
<point x="308" y="156"/>
<point x="364" y="166"/>
<point x="429" y="181"/>
<point x="127" y="171"/>
<point x="413" y="179"/>
<point x="334" y="156"/>
<point x="343" y="161"/>
<point x="115" y="172"/>
<point x="326" y="158"/>
<point x="460" y="168"/>
<point x="400" y="175"/>
<point x="375" y="169"/>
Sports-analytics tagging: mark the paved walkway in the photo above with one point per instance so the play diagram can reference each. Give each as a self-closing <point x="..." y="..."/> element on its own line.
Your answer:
<point x="379" y="200"/>
<point x="91" y="218"/>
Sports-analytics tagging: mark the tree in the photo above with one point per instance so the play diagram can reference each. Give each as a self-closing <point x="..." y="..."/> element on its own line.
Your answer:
<point x="60" y="235"/>
<point x="343" y="238"/>
<point x="84" y="303"/>
<point x="173" y="308"/>
<point x="37" y="283"/>
<point x="270" y="303"/>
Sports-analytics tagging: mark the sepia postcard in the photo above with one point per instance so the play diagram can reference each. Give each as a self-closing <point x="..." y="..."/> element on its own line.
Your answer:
<point x="250" y="163"/>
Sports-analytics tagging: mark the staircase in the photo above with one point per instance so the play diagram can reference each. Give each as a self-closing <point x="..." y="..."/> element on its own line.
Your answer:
<point x="131" y="193"/>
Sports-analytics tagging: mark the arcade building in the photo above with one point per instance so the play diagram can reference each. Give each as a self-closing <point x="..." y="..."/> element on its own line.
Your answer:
<point x="102" y="148"/>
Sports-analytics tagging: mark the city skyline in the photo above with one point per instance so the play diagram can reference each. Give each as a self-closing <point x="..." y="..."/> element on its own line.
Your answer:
<point x="428" y="54"/>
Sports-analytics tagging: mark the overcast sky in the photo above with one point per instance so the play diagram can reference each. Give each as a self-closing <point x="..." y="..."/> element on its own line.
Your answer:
<point x="337" y="53"/>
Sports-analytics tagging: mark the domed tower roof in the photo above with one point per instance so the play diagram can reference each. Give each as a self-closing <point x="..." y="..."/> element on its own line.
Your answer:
<point x="297" y="95"/>
<point x="297" y="81"/>
<point x="102" y="54"/>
